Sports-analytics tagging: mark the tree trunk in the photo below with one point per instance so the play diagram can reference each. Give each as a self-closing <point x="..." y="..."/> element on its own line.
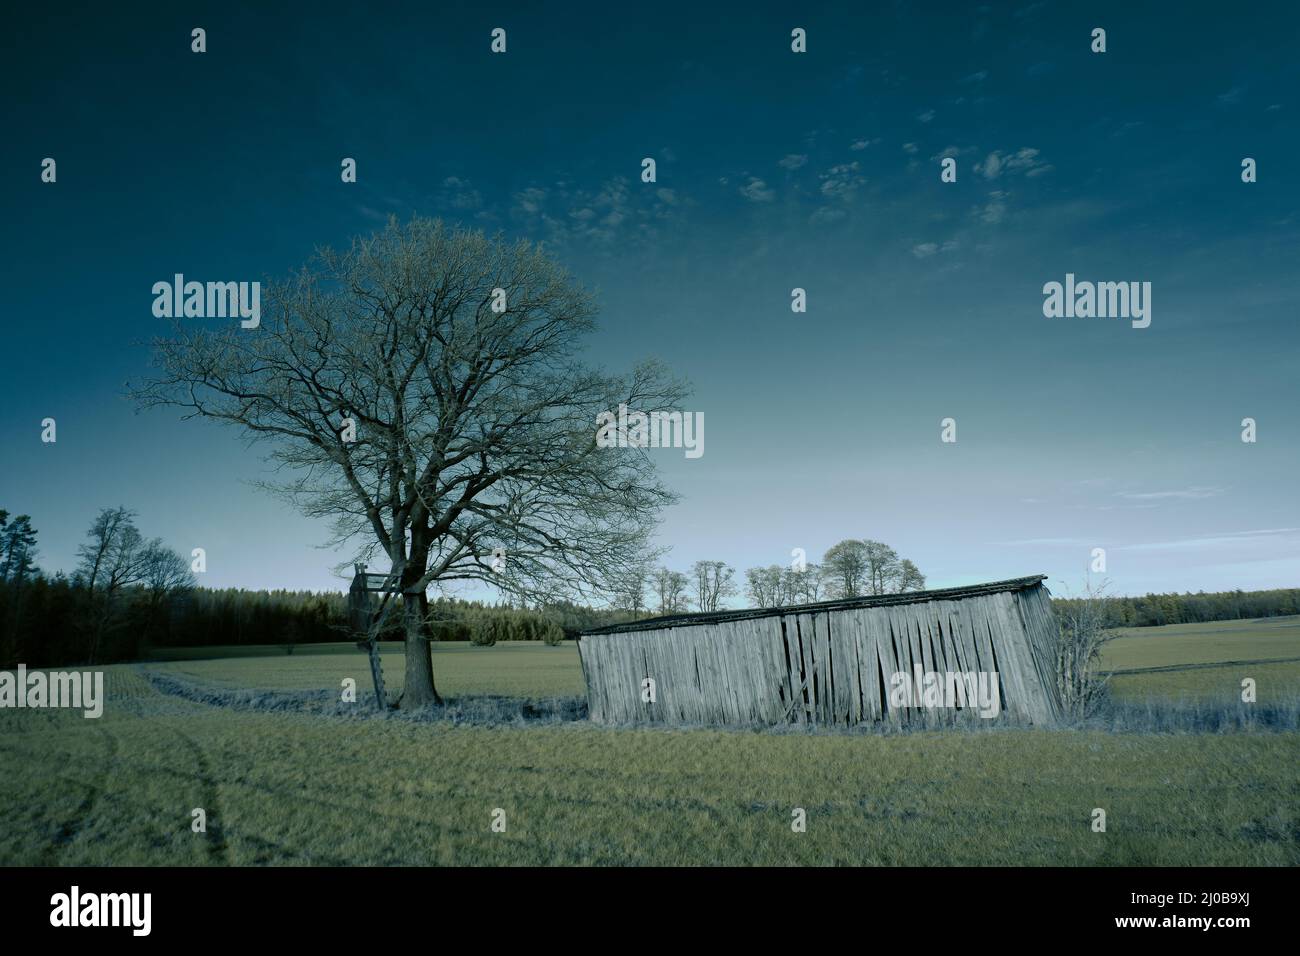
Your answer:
<point x="101" y="625"/>
<point x="419" y="690"/>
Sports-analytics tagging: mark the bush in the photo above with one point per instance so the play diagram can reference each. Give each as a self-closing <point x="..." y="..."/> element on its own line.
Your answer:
<point x="451" y="631"/>
<point x="552" y="634"/>
<point x="1083" y="633"/>
<point x="484" y="632"/>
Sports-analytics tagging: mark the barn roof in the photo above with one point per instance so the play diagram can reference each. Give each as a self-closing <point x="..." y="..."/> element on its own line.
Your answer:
<point x="880" y="600"/>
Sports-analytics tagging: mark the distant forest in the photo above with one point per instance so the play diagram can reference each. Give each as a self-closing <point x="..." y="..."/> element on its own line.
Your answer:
<point x="48" y="622"/>
<point x="130" y="595"/>
<point x="1153" y="610"/>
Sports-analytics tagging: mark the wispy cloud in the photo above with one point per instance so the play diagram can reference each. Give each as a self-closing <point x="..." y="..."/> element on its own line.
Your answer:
<point x="1048" y="542"/>
<point x="995" y="210"/>
<point x="951" y="151"/>
<point x="841" y="181"/>
<point x="1232" y="97"/>
<point x="1249" y="538"/>
<point x="459" y="193"/>
<point x="1024" y="160"/>
<point x="529" y="201"/>
<point x="609" y="214"/>
<point x="757" y="191"/>
<point x="1181" y="493"/>
<point x="925" y="250"/>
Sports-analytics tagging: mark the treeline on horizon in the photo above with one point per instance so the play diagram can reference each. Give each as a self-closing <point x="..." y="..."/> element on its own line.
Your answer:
<point x="48" y="622"/>
<point x="1154" y="610"/>
<point x="130" y="595"/>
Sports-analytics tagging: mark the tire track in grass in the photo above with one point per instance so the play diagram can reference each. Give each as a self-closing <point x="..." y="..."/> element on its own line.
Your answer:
<point x="1168" y="668"/>
<point x="214" y="828"/>
<point x="218" y="850"/>
<point x="67" y="831"/>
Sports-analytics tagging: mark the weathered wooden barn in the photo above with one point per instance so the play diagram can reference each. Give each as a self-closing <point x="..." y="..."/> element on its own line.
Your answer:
<point x="833" y="662"/>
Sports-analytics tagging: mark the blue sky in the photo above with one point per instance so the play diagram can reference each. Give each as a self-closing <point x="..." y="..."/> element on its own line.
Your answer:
<point x="775" y="170"/>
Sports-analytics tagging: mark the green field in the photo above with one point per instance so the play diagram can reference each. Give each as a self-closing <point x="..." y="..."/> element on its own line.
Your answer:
<point x="512" y="669"/>
<point x="1202" y="659"/>
<point x="292" y="788"/>
<point x="531" y="670"/>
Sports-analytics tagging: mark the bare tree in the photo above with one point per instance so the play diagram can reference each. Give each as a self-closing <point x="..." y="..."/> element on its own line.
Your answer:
<point x="856" y="568"/>
<point x="670" y="588"/>
<point x="910" y="577"/>
<point x="846" y="569"/>
<point x="108" y="558"/>
<point x="424" y="388"/>
<point x="764" y="586"/>
<point x="164" y="574"/>
<point x="114" y="558"/>
<point x="115" y="555"/>
<point x="1084" y="631"/>
<point x="713" y="582"/>
<point x="628" y="587"/>
<point x="883" y="569"/>
<point x="805" y="587"/>
<point x="777" y="586"/>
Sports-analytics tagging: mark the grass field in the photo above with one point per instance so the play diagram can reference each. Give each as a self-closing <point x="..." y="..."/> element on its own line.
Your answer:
<point x="1205" y="656"/>
<point x="290" y="788"/>
<point x="513" y="669"/>
<point x="533" y="670"/>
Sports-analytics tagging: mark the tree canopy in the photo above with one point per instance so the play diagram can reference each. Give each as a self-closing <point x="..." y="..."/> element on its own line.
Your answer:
<point x="425" y="391"/>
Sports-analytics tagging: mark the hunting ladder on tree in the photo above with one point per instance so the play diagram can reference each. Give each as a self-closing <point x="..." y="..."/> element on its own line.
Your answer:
<point x="367" y="620"/>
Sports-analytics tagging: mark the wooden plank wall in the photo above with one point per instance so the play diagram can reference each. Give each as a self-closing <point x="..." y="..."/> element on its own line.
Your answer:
<point x="831" y="667"/>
